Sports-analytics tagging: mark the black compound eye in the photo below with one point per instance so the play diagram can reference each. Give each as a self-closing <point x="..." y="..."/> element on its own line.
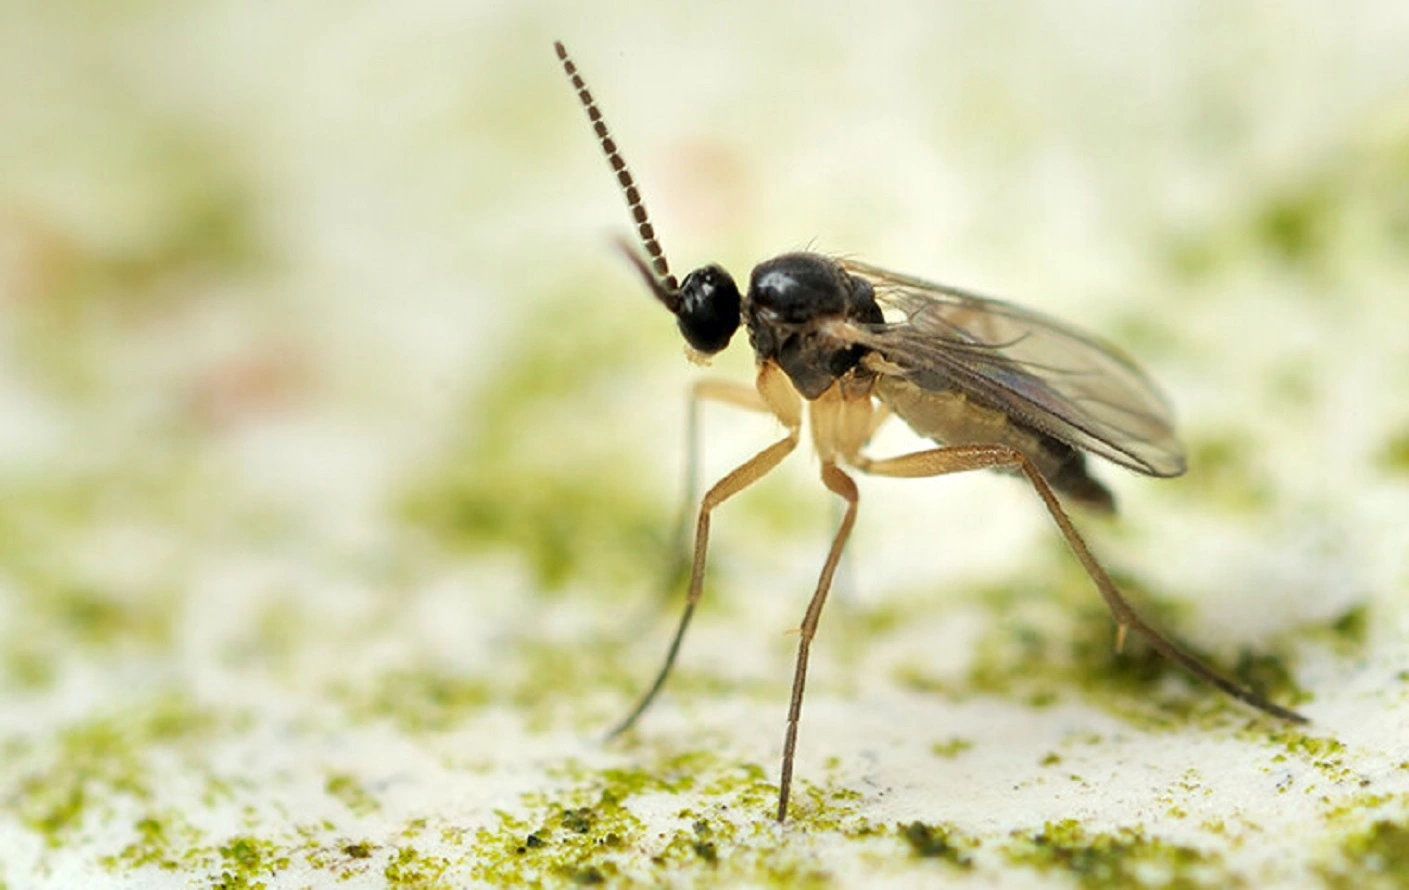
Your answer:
<point x="709" y="309"/>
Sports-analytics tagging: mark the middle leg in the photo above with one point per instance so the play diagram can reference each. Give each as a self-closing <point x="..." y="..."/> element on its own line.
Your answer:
<point x="841" y="484"/>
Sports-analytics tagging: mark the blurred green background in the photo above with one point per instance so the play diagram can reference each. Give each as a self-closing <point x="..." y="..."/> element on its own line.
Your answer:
<point x="338" y="448"/>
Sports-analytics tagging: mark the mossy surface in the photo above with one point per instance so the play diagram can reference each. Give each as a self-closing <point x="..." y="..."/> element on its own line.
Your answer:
<point x="1394" y="454"/>
<point x="1127" y="857"/>
<point x="939" y="842"/>
<point x="92" y="770"/>
<point x="1050" y="644"/>
<point x="546" y="462"/>
<point x="951" y="747"/>
<point x="516" y="475"/>
<point x="593" y="833"/>
<point x="338" y="455"/>
<point x="1375" y="857"/>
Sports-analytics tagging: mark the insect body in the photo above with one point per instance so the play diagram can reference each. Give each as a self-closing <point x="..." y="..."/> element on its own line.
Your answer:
<point x="994" y="385"/>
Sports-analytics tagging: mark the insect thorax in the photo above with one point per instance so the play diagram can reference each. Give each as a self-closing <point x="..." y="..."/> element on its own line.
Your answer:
<point x="791" y="301"/>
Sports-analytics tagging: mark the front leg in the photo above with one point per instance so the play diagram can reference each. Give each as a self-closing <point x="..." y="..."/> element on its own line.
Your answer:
<point x="785" y="404"/>
<point x="724" y="392"/>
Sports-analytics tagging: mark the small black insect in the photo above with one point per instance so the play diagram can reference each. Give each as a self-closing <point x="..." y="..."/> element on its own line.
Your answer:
<point x="996" y="386"/>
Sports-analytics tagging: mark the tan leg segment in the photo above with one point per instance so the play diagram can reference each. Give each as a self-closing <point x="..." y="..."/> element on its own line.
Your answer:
<point x="962" y="458"/>
<point x="782" y="402"/>
<point x="726" y="392"/>
<point x="841" y="484"/>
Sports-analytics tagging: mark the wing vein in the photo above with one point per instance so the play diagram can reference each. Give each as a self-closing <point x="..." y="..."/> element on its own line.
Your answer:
<point x="1046" y="374"/>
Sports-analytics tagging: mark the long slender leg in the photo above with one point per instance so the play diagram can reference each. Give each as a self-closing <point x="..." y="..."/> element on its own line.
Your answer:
<point x="726" y="392"/>
<point x="962" y="458"/>
<point x="845" y="583"/>
<point x="747" y="473"/>
<point x="841" y="484"/>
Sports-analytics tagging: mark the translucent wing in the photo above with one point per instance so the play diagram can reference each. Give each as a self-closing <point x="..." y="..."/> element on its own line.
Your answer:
<point x="1035" y="369"/>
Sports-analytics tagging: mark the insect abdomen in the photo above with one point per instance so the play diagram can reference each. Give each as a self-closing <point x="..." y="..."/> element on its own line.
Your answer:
<point x="951" y="418"/>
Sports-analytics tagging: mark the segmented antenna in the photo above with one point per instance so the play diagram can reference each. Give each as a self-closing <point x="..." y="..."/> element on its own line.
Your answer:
<point x="623" y="178"/>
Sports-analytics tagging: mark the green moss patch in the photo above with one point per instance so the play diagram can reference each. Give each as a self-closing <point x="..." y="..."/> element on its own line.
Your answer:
<point x="941" y="842"/>
<point x="1224" y="471"/>
<point x="1042" y="653"/>
<point x="722" y="830"/>
<point x="248" y="863"/>
<point x="1393" y="456"/>
<point x="91" y="766"/>
<point x="1374" y="858"/>
<point x="1352" y="200"/>
<point x="521" y="472"/>
<point x="1124" y="858"/>
<point x="160" y="840"/>
<point x="351" y="792"/>
<point x="951" y="748"/>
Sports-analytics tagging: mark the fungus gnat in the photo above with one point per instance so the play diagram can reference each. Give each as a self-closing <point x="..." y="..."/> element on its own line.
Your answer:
<point x="994" y="385"/>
